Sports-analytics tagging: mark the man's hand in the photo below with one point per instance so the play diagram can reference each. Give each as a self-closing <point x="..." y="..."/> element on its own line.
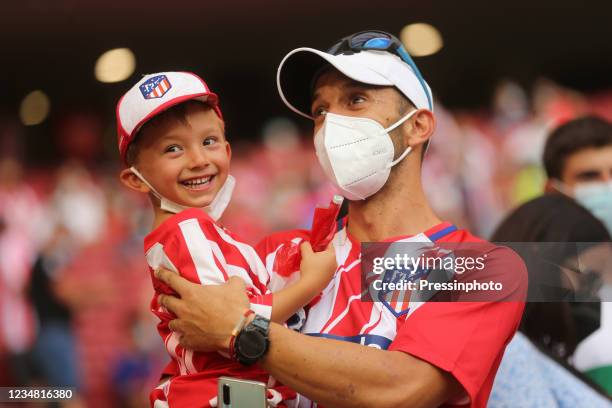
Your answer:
<point x="205" y="315"/>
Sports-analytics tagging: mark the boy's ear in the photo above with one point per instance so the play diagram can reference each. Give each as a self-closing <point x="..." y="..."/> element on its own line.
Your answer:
<point x="228" y="148"/>
<point x="131" y="181"/>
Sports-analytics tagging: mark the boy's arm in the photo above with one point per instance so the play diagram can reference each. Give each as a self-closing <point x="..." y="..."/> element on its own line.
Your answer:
<point x="316" y="270"/>
<point x="290" y="299"/>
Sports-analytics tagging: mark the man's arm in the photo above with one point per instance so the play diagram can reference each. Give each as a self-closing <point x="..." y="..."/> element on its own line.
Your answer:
<point x="333" y="373"/>
<point x="342" y="374"/>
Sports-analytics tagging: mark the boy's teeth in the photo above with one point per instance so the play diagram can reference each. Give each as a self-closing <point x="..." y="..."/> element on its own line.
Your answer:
<point x="197" y="182"/>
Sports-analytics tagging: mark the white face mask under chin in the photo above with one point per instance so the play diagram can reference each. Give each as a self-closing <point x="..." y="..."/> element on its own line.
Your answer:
<point x="215" y="209"/>
<point x="357" y="153"/>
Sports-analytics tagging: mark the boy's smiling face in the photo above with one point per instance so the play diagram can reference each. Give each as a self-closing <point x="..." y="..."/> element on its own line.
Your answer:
<point x="187" y="161"/>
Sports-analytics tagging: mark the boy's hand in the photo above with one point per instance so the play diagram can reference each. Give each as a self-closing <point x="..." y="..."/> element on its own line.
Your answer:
<point x="317" y="268"/>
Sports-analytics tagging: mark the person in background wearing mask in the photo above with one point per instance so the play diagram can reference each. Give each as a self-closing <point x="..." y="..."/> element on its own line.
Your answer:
<point x="373" y="117"/>
<point x="578" y="163"/>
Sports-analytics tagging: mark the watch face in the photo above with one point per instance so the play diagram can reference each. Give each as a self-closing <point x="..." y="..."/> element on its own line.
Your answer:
<point x="252" y="344"/>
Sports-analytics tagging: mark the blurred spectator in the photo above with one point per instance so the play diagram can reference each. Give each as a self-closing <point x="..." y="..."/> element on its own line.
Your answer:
<point x="19" y="218"/>
<point x="79" y="204"/>
<point x="443" y="168"/>
<point x="510" y="105"/>
<point x="556" y="328"/>
<point x="137" y="367"/>
<point x="578" y="162"/>
<point x="54" y="352"/>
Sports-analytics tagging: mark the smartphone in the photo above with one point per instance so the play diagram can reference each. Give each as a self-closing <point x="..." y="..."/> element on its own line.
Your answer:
<point x="237" y="393"/>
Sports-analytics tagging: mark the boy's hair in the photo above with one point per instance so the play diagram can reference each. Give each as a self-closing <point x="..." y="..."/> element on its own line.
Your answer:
<point x="576" y="135"/>
<point x="177" y="113"/>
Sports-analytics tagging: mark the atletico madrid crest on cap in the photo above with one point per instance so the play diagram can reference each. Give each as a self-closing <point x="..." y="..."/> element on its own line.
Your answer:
<point x="155" y="87"/>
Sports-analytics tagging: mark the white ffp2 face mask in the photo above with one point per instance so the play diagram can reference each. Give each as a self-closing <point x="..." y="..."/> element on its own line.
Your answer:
<point x="357" y="153"/>
<point x="215" y="209"/>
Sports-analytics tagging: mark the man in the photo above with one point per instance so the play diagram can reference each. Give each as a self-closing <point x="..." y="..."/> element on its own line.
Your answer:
<point x="365" y="90"/>
<point x="578" y="162"/>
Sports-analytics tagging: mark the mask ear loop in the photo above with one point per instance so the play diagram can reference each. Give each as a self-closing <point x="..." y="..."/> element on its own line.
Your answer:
<point x="402" y="120"/>
<point x="393" y="127"/>
<point x="141" y="177"/>
<point x="399" y="159"/>
<point x="215" y="209"/>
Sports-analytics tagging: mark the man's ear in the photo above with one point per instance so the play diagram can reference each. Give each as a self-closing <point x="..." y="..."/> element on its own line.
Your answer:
<point x="419" y="128"/>
<point x="549" y="187"/>
<point x="131" y="181"/>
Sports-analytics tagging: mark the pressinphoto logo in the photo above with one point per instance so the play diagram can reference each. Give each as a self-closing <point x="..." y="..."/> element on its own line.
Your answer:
<point x="401" y="275"/>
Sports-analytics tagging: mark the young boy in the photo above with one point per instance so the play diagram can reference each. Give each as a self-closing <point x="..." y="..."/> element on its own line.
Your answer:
<point x="172" y="139"/>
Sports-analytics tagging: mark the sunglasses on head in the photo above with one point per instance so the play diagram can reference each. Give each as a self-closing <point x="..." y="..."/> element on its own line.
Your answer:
<point x="378" y="41"/>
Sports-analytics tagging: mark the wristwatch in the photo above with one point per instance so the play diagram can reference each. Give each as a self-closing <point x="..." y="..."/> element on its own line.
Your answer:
<point x="252" y="342"/>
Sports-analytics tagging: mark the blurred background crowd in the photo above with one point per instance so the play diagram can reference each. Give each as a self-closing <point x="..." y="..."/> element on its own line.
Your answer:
<point x="73" y="281"/>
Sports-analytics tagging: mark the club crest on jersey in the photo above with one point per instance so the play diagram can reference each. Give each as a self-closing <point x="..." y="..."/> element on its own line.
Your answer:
<point x="155" y="87"/>
<point x="398" y="301"/>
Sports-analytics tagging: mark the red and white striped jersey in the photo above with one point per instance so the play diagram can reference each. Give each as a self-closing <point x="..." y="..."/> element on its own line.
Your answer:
<point x="192" y="244"/>
<point x="466" y="339"/>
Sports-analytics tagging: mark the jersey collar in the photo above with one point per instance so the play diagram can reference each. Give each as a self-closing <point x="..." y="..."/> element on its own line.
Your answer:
<point x="434" y="233"/>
